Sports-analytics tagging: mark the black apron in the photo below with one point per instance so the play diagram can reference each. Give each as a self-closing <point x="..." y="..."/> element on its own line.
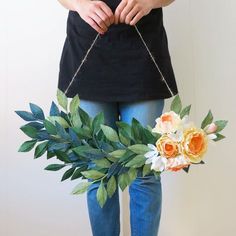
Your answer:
<point x="118" y="67"/>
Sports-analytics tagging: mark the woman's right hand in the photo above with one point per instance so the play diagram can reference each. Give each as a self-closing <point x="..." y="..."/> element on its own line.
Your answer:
<point x="96" y="13"/>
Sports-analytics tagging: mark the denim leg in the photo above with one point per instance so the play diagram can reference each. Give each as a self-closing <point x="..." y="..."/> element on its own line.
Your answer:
<point x="145" y="205"/>
<point x="104" y="221"/>
<point x="145" y="192"/>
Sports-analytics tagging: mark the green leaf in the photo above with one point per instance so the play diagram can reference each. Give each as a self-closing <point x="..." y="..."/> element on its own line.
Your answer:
<point x="54" y="167"/>
<point x="83" y="133"/>
<point x="123" y="138"/>
<point x="220" y="125"/>
<point x="68" y="173"/>
<point x="110" y="133"/>
<point x="85" y="118"/>
<point x="123" y="181"/>
<point x="25" y="115"/>
<point x="76" y="121"/>
<point x="147" y="136"/>
<point x="139" y="148"/>
<point x="146" y="169"/>
<point x="51" y="129"/>
<point x="218" y="137"/>
<point x="111" y="186"/>
<point x="60" y="120"/>
<point x="101" y="194"/>
<point x="81" y="187"/>
<point x="89" y="152"/>
<point x="27" y="146"/>
<point x="92" y="174"/>
<point x="207" y="120"/>
<point x="137" y="161"/>
<point x="62" y="99"/>
<point x="37" y="111"/>
<point x="74" y="104"/>
<point x="185" y="111"/>
<point x="77" y="174"/>
<point x="40" y="149"/>
<point x="29" y="130"/>
<point x="136" y="130"/>
<point x="176" y="104"/>
<point x="97" y="121"/>
<point x="124" y="132"/>
<point x="132" y="174"/>
<point x="103" y="163"/>
<point x="62" y="156"/>
<point x="118" y="153"/>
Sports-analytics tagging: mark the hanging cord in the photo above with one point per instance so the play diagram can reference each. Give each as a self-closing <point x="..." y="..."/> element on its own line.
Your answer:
<point x="94" y="41"/>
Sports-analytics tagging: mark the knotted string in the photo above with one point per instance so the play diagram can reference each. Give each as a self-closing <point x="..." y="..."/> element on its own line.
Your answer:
<point x="90" y="48"/>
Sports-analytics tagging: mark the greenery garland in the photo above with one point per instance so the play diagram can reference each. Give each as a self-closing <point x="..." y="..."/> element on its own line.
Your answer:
<point x="92" y="150"/>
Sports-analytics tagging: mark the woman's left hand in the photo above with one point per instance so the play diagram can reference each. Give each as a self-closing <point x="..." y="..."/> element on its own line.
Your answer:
<point x="131" y="11"/>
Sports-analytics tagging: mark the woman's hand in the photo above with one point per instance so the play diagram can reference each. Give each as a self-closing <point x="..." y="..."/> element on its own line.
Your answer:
<point x="131" y="11"/>
<point x="96" y="13"/>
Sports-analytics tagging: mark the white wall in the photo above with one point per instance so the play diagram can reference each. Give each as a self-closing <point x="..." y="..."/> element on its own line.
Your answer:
<point x="202" y="36"/>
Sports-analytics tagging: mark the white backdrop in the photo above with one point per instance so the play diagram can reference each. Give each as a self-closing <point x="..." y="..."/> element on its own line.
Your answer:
<point x="202" y="36"/>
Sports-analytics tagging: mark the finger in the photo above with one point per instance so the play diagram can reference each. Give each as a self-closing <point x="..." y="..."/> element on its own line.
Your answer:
<point x="94" y="25"/>
<point x="108" y="11"/>
<point x="103" y="16"/>
<point x="131" y="14"/>
<point x="136" y="18"/>
<point x="126" y="11"/>
<point x="118" y="10"/>
<point x="99" y="21"/>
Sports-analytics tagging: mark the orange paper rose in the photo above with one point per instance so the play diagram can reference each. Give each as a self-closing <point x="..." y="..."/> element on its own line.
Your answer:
<point x="194" y="144"/>
<point x="167" y="147"/>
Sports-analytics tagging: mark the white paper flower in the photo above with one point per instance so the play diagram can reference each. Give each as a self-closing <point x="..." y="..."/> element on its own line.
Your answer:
<point x="151" y="154"/>
<point x="159" y="163"/>
<point x="168" y="122"/>
<point x="153" y="157"/>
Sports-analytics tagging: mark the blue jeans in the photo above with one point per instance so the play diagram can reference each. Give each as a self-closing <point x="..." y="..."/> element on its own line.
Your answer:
<point x="145" y="192"/>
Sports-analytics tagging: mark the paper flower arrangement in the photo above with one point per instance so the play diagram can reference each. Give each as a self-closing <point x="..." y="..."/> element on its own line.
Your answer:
<point x="91" y="150"/>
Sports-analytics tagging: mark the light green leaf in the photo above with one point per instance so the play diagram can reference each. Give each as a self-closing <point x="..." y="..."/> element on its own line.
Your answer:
<point x="103" y="163"/>
<point x="139" y="148"/>
<point x="62" y="99"/>
<point x="92" y="174"/>
<point x="136" y="162"/>
<point x="132" y="174"/>
<point x="97" y="121"/>
<point x="76" y="121"/>
<point x="101" y="194"/>
<point x="74" y="104"/>
<point x="123" y="180"/>
<point x="118" y="153"/>
<point x="60" y="120"/>
<point x="176" y="104"/>
<point x="81" y="187"/>
<point x="146" y="169"/>
<point x="111" y="186"/>
<point x="110" y="133"/>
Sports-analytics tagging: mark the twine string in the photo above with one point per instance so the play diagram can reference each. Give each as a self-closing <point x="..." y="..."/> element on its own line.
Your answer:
<point x="144" y="43"/>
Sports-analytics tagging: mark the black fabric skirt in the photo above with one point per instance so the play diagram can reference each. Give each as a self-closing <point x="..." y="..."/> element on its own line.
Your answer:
<point x="118" y="67"/>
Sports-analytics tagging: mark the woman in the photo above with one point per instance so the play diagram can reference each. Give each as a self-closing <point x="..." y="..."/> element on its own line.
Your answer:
<point x="115" y="74"/>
